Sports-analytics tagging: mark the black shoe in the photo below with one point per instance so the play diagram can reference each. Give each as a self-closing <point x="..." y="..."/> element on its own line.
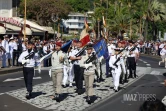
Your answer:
<point x="2" y="67"/>
<point x="57" y="98"/>
<point x="101" y="79"/>
<point x="64" y="86"/>
<point x="107" y="76"/>
<point x="125" y="81"/>
<point x="29" y="96"/>
<point x="121" y="82"/>
<point x="116" y="90"/>
<point x="98" y="80"/>
<point x="80" y="91"/>
<point x="88" y="100"/>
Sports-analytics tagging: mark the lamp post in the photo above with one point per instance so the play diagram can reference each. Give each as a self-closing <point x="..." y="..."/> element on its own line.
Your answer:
<point x="55" y="19"/>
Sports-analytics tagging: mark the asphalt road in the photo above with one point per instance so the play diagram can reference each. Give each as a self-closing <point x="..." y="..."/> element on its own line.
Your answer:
<point x="147" y="85"/>
<point x="133" y="96"/>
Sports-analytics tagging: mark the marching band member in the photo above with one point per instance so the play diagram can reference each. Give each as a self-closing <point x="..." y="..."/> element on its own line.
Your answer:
<point x="116" y="68"/>
<point x="71" y="68"/>
<point x="132" y="54"/>
<point x="66" y="68"/>
<point x="28" y="61"/>
<point x="78" y="71"/>
<point x="163" y="55"/>
<point x="57" y="60"/>
<point x="5" y="45"/>
<point x="111" y="48"/>
<point x="89" y="72"/>
<point x="124" y="55"/>
<point x="122" y="76"/>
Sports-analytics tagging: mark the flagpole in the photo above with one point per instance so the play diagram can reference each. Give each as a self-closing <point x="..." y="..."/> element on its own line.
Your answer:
<point x="25" y="8"/>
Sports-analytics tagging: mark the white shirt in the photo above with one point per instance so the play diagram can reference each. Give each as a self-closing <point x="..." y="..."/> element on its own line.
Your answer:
<point x="73" y="53"/>
<point x="45" y="49"/>
<point x="134" y="52"/>
<point x="11" y="46"/>
<point x="111" y="48"/>
<point x="15" y="46"/>
<point x="5" y="44"/>
<point x="163" y="52"/>
<point x="22" y="57"/>
<point x="24" y="47"/>
<point x="161" y="45"/>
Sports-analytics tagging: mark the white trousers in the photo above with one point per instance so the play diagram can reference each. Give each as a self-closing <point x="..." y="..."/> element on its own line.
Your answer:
<point x="65" y="74"/>
<point x="116" y="76"/>
<point x="71" y="73"/>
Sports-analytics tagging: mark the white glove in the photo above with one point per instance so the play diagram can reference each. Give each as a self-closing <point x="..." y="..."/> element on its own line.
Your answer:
<point x="88" y="65"/>
<point x="25" y="61"/>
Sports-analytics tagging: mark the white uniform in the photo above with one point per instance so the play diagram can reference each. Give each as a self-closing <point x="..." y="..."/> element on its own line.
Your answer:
<point x="71" y="69"/>
<point x="65" y="70"/>
<point x="30" y="63"/>
<point x="116" y="70"/>
<point x="111" y="48"/>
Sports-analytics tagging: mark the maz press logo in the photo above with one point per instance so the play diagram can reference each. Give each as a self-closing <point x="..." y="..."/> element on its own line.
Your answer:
<point x="139" y="97"/>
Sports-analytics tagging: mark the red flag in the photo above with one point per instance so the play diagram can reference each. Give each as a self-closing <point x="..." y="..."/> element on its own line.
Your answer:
<point x="84" y="37"/>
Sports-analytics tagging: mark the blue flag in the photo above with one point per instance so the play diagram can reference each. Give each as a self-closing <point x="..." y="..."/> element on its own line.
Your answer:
<point x="66" y="46"/>
<point x="104" y="51"/>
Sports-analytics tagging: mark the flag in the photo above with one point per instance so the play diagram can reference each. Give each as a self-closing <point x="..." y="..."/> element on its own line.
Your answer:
<point x="84" y="37"/>
<point x="104" y="22"/>
<point x="86" y="24"/>
<point x="104" y="51"/>
<point x="66" y="46"/>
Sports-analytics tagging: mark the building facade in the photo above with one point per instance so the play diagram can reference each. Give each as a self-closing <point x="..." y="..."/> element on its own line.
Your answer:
<point x="75" y="23"/>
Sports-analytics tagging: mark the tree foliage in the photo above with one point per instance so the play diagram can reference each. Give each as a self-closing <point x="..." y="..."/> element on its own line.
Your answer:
<point x="41" y="11"/>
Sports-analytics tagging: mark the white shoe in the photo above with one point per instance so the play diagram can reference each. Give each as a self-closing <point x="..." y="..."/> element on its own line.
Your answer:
<point x="159" y="63"/>
<point x="70" y="85"/>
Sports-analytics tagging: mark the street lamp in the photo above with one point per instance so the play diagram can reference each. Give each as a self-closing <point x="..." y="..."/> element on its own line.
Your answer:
<point x="54" y="19"/>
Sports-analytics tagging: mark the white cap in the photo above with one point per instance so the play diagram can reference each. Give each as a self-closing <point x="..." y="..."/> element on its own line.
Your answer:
<point x="5" y="36"/>
<point x="11" y="38"/>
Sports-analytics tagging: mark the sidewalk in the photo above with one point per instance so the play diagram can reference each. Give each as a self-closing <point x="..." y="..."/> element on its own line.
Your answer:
<point x="8" y="70"/>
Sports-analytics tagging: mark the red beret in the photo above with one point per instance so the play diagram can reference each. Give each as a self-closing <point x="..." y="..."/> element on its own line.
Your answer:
<point x="123" y="42"/>
<point x="58" y="44"/>
<point x="119" y="42"/>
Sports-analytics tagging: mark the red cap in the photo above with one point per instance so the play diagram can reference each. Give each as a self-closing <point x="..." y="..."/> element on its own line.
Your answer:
<point x="58" y="44"/>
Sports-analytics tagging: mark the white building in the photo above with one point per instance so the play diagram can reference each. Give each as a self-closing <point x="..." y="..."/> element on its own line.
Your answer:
<point x="75" y="23"/>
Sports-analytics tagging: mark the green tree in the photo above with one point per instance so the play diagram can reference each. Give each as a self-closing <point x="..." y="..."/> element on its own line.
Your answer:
<point x="41" y="11"/>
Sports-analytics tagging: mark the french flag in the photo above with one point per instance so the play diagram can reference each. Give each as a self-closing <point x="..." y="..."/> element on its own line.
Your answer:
<point x="84" y="36"/>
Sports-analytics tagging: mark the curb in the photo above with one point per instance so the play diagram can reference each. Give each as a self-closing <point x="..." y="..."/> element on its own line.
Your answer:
<point x="7" y="71"/>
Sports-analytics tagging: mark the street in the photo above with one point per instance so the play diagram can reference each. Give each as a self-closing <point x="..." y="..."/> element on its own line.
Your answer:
<point x="149" y="82"/>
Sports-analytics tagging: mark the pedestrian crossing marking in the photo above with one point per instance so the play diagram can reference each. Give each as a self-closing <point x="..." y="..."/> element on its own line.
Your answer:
<point x="155" y="73"/>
